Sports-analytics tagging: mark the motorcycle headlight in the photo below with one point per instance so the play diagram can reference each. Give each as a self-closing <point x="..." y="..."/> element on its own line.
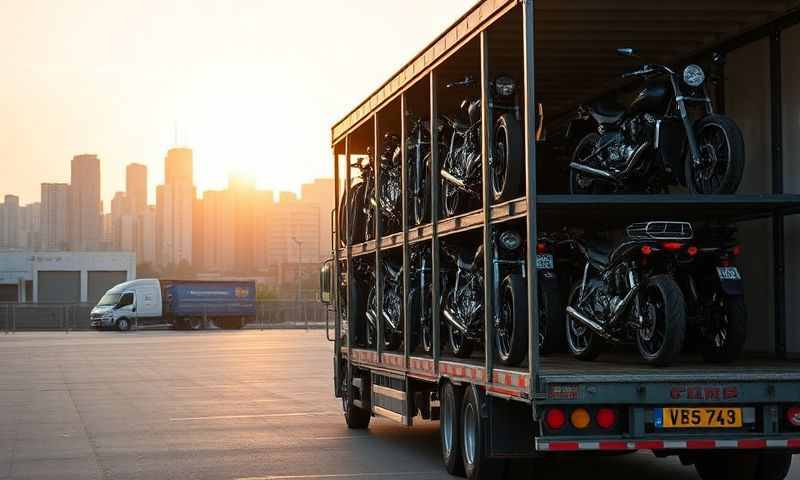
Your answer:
<point x="510" y="240"/>
<point x="504" y="86"/>
<point x="694" y="76"/>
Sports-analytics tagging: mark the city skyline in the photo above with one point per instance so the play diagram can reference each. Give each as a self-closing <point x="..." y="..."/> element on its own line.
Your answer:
<point x="244" y="87"/>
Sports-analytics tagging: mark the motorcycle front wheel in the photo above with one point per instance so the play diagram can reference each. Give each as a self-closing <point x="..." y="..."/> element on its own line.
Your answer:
<point x="372" y="328"/>
<point x="507" y="172"/>
<point x="511" y="335"/>
<point x="582" y="342"/>
<point x="661" y="337"/>
<point x="421" y="199"/>
<point x="726" y="331"/>
<point x="722" y="157"/>
<point x="356" y="217"/>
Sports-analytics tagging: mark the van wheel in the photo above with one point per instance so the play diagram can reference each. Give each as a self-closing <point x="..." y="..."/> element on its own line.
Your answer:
<point x="477" y="464"/>
<point x="194" y="323"/>
<point x="744" y="466"/>
<point x="450" y="429"/>
<point x="123" y="325"/>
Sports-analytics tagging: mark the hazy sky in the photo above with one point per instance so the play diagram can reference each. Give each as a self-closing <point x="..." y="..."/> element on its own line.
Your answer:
<point x="253" y="86"/>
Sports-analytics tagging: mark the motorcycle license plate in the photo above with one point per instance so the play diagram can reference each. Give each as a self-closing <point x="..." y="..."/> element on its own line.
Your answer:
<point x="705" y="417"/>
<point x="728" y="273"/>
<point x="544" y="262"/>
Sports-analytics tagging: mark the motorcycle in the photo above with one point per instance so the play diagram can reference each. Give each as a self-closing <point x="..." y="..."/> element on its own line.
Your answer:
<point x="389" y="213"/>
<point x="714" y="291"/>
<point x="653" y="142"/>
<point x="418" y="153"/>
<point x="628" y="293"/>
<point x="360" y="192"/>
<point x="391" y="310"/>
<point x="420" y="294"/>
<point x="461" y="170"/>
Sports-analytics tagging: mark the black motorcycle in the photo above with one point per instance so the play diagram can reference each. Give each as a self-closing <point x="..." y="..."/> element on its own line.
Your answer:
<point x="420" y="295"/>
<point x="628" y="293"/>
<point x="391" y="310"/>
<point x="389" y="213"/>
<point x="360" y="193"/>
<point x="654" y="143"/>
<point x="461" y="170"/>
<point x="418" y="155"/>
<point x="714" y="291"/>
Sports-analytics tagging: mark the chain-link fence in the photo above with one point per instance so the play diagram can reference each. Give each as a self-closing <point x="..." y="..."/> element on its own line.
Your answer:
<point x="68" y="317"/>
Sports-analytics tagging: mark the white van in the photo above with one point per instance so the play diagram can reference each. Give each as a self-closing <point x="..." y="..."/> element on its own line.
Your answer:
<point x="137" y="301"/>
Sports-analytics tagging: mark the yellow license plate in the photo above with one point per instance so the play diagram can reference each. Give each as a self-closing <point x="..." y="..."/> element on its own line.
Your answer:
<point x="705" y="417"/>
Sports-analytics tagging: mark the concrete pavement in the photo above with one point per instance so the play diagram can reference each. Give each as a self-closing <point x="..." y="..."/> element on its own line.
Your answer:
<point x="213" y="405"/>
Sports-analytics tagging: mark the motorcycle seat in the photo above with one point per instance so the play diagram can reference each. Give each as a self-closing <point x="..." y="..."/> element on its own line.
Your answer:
<point x="607" y="111"/>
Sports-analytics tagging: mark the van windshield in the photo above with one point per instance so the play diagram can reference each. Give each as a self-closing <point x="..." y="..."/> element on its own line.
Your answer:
<point x="109" y="299"/>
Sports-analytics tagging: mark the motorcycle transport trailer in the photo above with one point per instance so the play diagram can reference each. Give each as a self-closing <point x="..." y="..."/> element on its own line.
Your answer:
<point x="561" y="55"/>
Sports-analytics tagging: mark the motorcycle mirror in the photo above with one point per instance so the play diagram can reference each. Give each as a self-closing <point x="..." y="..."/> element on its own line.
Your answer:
<point x="718" y="58"/>
<point x="626" y="52"/>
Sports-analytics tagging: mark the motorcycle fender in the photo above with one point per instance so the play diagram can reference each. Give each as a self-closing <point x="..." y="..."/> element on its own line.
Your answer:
<point x="548" y="279"/>
<point x="732" y="287"/>
<point x="672" y="148"/>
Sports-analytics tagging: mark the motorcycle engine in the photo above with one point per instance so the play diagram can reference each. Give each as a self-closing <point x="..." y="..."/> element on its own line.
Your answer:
<point x="624" y="143"/>
<point x="470" y="301"/>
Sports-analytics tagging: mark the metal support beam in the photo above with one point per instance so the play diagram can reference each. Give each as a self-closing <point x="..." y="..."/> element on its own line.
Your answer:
<point x="349" y="255"/>
<point x="404" y="200"/>
<point x="528" y="15"/>
<point x="337" y="321"/>
<point x="778" y="220"/>
<point x="378" y="235"/>
<point x="434" y="186"/>
<point x="489" y="309"/>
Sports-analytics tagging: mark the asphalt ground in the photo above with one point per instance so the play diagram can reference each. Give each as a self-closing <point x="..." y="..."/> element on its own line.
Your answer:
<point x="216" y="405"/>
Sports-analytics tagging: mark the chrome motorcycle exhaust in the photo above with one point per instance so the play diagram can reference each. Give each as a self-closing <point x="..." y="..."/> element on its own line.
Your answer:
<point x="591" y="171"/>
<point x="594" y="326"/>
<point x="449" y="317"/>
<point x="634" y="161"/>
<point x="455" y="181"/>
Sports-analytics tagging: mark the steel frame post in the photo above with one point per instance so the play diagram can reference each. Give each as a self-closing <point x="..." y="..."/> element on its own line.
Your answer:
<point x="378" y="236"/>
<point x="336" y="234"/>
<point x="349" y="255"/>
<point x="486" y="171"/>
<point x="435" y="259"/>
<point x="404" y="202"/>
<point x="778" y="218"/>
<point x="528" y="16"/>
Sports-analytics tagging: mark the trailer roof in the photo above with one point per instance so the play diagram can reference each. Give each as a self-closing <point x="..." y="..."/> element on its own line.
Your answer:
<point x="576" y="39"/>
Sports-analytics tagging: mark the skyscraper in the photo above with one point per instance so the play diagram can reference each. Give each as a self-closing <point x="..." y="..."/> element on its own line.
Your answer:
<point x="54" y="216"/>
<point x="85" y="226"/>
<point x="174" y="202"/>
<point x="136" y="187"/>
<point x="10" y="233"/>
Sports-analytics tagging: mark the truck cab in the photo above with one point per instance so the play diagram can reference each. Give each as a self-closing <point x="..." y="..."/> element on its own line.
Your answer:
<point x="126" y="304"/>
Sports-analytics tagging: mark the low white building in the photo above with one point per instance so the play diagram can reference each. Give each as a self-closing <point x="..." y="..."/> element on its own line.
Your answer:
<point x="62" y="277"/>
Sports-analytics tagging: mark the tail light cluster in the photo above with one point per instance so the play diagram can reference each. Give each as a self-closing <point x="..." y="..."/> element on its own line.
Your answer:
<point x="726" y="258"/>
<point x="541" y="247"/>
<point x="580" y="419"/>
<point x="690" y="250"/>
<point x="793" y="416"/>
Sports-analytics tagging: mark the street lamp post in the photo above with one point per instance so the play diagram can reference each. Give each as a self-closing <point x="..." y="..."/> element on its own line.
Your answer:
<point x="300" y="304"/>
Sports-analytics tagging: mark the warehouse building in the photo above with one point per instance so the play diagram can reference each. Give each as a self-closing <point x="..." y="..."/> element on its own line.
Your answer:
<point x="62" y="277"/>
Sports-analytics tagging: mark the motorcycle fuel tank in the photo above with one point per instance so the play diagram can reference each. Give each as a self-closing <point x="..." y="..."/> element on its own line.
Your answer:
<point x="653" y="98"/>
<point x="475" y="111"/>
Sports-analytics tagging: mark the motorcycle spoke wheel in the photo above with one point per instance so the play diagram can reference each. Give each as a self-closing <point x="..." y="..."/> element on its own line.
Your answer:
<point x="652" y="334"/>
<point x="715" y="153"/>
<point x="505" y="330"/>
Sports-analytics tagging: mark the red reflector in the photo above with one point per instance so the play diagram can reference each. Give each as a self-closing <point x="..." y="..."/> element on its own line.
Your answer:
<point x="606" y="418"/>
<point x="737" y="250"/>
<point x="647" y="250"/>
<point x="541" y="247"/>
<point x="564" y="446"/>
<point x="650" y="445"/>
<point x="751" y="444"/>
<point x="555" y="418"/>
<point x="672" y="246"/>
<point x="701" y="444"/>
<point x="612" y="445"/>
<point x="692" y="251"/>
<point x="793" y="416"/>
<point x="793" y="443"/>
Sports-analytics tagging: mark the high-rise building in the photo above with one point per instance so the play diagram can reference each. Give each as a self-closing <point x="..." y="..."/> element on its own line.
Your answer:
<point x="54" y="216"/>
<point x="136" y="187"/>
<point x="146" y="236"/>
<point x="120" y="205"/>
<point x="178" y="166"/>
<point x="320" y="194"/>
<point x="30" y="226"/>
<point x="85" y="225"/>
<point x="10" y="232"/>
<point x="219" y="234"/>
<point x="174" y="205"/>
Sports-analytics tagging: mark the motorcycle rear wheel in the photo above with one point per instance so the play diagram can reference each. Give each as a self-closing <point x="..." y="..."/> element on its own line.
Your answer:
<point x="507" y="172"/>
<point x="578" y="181"/>
<point x="728" y="339"/>
<point x="421" y="202"/>
<point x="722" y="150"/>
<point x="551" y="316"/>
<point x="511" y="336"/>
<point x="356" y="211"/>
<point x="661" y="340"/>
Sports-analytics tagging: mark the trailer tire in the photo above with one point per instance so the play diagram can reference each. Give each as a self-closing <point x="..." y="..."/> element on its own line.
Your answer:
<point x="477" y="464"/>
<point x="744" y="466"/>
<point x="450" y="428"/>
<point x="356" y="417"/>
